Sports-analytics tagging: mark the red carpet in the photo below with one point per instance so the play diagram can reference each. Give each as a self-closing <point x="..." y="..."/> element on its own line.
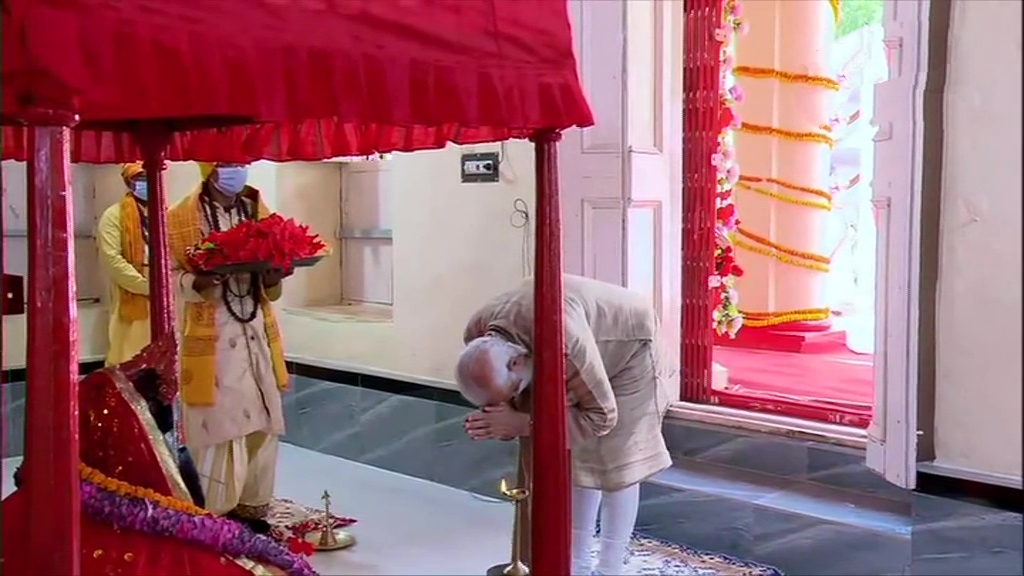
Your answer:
<point x="841" y="379"/>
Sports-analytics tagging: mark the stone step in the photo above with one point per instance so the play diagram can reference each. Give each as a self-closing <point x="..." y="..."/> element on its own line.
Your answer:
<point x="793" y="496"/>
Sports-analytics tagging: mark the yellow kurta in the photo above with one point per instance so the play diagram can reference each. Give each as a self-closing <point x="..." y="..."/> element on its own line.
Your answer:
<point x="234" y="440"/>
<point x="127" y="338"/>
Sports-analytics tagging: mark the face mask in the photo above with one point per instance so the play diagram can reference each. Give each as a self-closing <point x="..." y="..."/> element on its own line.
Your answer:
<point x="231" y="180"/>
<point x="141" y="190"/>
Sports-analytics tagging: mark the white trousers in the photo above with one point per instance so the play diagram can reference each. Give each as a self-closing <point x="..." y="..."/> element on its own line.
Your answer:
<point x="618" y="510"/>
<point x="238" y="475"/>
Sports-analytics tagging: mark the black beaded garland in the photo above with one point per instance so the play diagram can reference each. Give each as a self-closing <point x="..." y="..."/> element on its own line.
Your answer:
<point x="253" y="291"/>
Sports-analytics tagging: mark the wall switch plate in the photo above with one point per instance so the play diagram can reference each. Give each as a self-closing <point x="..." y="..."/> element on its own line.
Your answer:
<point x="480" y="167"/>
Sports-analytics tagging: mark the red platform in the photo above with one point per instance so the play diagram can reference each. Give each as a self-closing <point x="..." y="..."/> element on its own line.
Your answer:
<point x="835" y="386"/>
<point x="799" y="337"/>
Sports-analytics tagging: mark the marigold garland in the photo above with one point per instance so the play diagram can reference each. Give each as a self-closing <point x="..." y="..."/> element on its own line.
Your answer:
<point x="782" y="248"/>
<point x="787" y="134"/>
<point x="765" y="319"/>
<point x="125" y="506"/>
<point x="788" y="77"/>
<point x="779" y="256"/>
<point x="788" y="185"/>
<point x="837" y="10"/>
<point x="127" y="490"/>
<point x="785" y="197"/>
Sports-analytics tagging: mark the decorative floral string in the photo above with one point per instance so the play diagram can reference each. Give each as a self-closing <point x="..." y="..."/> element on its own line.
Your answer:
<point x="787" y="185"/>
<point x="122" y="505"/>
<point x="765" y="319"/>
<point x="780" y="256"/>
<point x="790" y="77"/>
<point x="790" y="135"/>
<point x="126" y="490"/>
<point x="785" y="197"/>
<point x="782" y="248"/>
<point x="837" y="10"/>
<point x="726" y="317"/>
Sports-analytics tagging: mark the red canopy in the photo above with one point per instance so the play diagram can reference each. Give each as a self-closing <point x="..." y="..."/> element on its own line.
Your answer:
<point x="346" y="77"/>
<point x="241" y="80"/>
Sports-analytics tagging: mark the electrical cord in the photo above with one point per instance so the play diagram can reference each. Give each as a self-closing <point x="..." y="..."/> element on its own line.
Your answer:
<point x="520" y="219"/>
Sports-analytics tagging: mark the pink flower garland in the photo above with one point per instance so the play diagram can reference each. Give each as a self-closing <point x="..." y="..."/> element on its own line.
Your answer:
<point x="211" y="532"/>
<point x="726" y="317"/>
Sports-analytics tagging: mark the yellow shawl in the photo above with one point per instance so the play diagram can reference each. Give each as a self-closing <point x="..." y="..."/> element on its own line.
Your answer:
<point x="132" y="307"/>
<point x="199" y="338"/>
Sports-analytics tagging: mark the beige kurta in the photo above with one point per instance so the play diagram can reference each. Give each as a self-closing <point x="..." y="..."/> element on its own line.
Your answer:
<point x="617" y="390"/>
<point x="234" y="441"/>
<point x="126" y="337"/>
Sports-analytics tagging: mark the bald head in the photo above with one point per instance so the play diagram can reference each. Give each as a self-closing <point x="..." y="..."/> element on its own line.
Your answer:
<point x="492" y="370"/>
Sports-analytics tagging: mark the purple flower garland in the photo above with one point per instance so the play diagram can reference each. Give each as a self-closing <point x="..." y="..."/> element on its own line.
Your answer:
<point x="217" y="534"/>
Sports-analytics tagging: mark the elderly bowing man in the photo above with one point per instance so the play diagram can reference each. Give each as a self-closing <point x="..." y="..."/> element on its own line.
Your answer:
<point x="617" y="400"/>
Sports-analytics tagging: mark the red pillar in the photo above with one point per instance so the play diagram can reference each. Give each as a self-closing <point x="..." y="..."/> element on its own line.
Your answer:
<point x="701" y="112"/>
<point x="51" y="399"/>
<point x="153" y="143"/>
<point x="550" y="501"/>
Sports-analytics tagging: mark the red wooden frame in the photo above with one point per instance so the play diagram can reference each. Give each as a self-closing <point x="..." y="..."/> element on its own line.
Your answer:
<point x="804" y="409"/>
<point x="701" y="111"/>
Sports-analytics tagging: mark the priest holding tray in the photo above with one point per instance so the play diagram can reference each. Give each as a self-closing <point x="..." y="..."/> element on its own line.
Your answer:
<point x="230" y="257"/>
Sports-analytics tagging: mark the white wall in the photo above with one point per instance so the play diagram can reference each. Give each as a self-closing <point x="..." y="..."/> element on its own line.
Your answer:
<point x="454" y="248"/>
<point x="978" y="380"/>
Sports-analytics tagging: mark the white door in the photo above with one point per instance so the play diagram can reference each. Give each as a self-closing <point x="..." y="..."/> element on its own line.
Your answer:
<point x="892" y="435"/>
<point x="592" y="161"/>
<point x="620" y="177"/>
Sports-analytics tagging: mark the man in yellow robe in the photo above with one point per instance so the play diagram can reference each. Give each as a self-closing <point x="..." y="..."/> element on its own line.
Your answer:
<point x="232" y="362"/>
<point x="122" y="238"/>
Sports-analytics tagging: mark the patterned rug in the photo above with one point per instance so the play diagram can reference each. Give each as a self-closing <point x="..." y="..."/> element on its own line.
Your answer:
<point x="647" y="556"/>
<point x="653" y="557"/>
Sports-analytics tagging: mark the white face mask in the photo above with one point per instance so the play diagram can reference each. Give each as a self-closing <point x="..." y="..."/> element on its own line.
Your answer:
<point x="231" y="179"/>
<point x="141" y="190"/>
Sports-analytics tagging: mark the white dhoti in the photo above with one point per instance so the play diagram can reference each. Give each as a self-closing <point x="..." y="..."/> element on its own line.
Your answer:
<point x="238" y="475"/>
<point x="234" y="440"/>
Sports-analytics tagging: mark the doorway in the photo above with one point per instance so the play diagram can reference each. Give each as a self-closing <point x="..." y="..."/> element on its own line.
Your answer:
<point x="815" y="363"/>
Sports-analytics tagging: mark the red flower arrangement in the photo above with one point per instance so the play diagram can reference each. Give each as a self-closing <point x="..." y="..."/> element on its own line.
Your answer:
<point x="253" y="245"/>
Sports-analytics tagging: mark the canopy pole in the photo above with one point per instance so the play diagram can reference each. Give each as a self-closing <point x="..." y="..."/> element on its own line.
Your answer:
<point x="153" y="143"/>
<point x="51" y="399"/>
<point x="550" y="529"/>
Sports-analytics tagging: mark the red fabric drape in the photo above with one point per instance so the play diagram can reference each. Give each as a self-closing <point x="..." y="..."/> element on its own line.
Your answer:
<point x="107" y="550"/>
<point x="346" y="77"/>
<point x="303" y="141"/>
